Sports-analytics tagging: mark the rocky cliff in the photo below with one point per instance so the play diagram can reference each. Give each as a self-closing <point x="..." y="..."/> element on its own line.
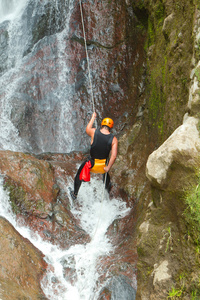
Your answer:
<point x="145" y="70"/>
<point x="168" y="259"/>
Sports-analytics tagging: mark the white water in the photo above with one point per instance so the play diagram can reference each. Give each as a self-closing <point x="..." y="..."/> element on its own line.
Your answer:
<point x="54" y="117"/>
<point x="10" y="9"/>
<point x="95" y="215"/>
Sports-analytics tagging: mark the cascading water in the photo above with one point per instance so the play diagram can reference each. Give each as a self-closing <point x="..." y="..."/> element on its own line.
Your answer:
<point x="96" y="214"/>
<point x="9" y="138"/>
<point x="38" y="113"/>
<point x="37" y="92"/>
<point x="10" y="9"/>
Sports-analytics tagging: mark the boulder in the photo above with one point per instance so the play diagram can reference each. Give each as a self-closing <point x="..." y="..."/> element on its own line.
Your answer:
<point x="29" y="181"/>
<point x="177" y="159"/>
<point x="120" y="288"/>
<point x="22" y="265"/>
<point x="38" y="193"/>
<point x="167" y="25"/>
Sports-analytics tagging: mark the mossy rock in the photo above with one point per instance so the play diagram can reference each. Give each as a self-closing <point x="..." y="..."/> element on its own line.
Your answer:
<point x="21" y="201"/>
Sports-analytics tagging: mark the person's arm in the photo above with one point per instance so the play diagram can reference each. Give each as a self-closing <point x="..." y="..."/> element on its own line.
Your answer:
<point x="113" y="155"/>
<point x="89" y="130"/>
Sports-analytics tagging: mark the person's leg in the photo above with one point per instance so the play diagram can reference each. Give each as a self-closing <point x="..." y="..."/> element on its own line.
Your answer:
<point x="77" y="181"/>
<point x="108" y="183"/>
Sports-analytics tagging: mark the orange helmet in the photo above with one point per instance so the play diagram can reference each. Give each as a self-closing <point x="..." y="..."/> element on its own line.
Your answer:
<point x="107" y="122"/>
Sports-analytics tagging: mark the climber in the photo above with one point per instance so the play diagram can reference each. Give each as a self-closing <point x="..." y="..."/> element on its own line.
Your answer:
<point x="102" y="143"/>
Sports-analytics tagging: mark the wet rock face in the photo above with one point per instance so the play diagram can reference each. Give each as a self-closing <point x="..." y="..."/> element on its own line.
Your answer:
<point x="22" y="265"/>
<point x="37" y="195"/>
<point x="47" y="21"/>
<point x="117" y="60"/>
<point x="4" y="45"/>
<point x="118" y="289"/>
<point x="114" y="45"/>
<point x="118" y="270"/>
<point x="29" y="181"/>
<point x="51" y="94"/>
<point x="45" y="209"/>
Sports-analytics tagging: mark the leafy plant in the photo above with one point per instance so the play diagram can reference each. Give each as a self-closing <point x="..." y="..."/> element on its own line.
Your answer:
<point x="194" y="295"/>
<point x="169" y="238"/>
<point x="192" y="211"/>
<point x="175" y="293"/>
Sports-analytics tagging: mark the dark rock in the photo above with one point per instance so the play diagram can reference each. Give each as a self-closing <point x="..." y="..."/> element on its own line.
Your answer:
<point x="119" y="288"/>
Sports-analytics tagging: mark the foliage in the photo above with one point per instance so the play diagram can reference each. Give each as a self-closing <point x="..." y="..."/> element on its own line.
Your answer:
<point x="165" y="71"/>
<point x="195" y="290"/>
<point x="169" y="240"/>
<point x="186" y="285"/>
<point x="178" y="292"/>
<point x="16" y="194"/>
<point x="192" y="216"/>
<point x="192" y="212"/>
<point x="197" y="73"/>
<point x="175" y="293"/>
<point x="197" y="2"/>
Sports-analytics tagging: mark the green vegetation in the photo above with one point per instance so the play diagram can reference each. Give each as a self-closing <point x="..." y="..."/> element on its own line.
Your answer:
<point x="157" y="71"/>
<point x="17" y="195"/>
<point x="175" y="293"/>
<point x="187" y="282"/>
<point x="192" y="212"/>
<point x="20" y="200"/>
<point x="169" y="49"/>
<point x="197" y="2"/>
<point x="169" y="238"/>
<point x="157" y="99"/>
<point x="197" y="73"/>
<point x="167" y="79"/>
<point x="192" y="217"/>
<point x="185" y="286"/>
<point x="178" y="292"/>
<point x="159" y="13"/>
<point x="151" y="33"/>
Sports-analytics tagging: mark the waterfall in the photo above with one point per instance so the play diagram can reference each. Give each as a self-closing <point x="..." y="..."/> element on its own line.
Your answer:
<point x="10" y="9"/>
<point x="39" y="112"/>
<point x="37" y="91"/>
<point x="9" y="138"/>
<point x="96" y="214"/>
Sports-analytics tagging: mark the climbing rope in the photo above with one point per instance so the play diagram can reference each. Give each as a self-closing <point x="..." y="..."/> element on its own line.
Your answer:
<point x="87" y="57"/>
<point x="102" y="197"/>
<point x="90" y="81"/>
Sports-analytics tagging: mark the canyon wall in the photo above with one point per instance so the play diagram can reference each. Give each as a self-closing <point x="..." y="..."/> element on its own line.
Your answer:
<point x="168" y="131"/>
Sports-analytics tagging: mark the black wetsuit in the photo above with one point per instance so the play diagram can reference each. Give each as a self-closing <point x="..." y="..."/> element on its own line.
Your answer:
<point x="100" y="149"/>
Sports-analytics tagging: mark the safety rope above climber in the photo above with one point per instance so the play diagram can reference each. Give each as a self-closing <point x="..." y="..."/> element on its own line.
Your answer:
<point x="103" y="142"/>
<point x="87" y="57"/>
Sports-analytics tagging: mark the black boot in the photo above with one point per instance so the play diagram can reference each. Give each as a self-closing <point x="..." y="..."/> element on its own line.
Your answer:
<point x="72" y="194"/>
